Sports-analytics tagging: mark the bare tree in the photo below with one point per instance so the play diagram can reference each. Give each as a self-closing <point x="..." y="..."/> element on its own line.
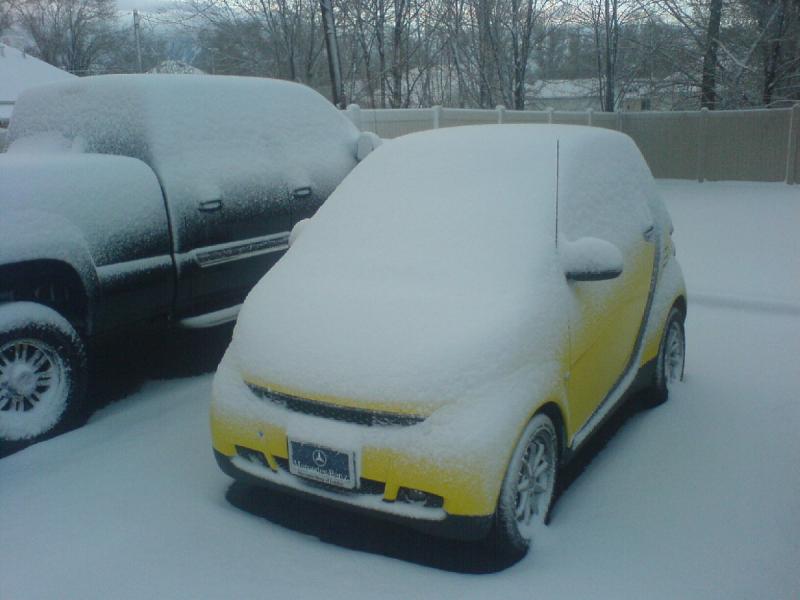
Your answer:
<point x="281" y="37"/>
<point x="6" y="14"/>
<point x="71" y="34"/>
<point x="708" y="84"/>
<point x="778" y="47"/>
<point x="607" y="20"/>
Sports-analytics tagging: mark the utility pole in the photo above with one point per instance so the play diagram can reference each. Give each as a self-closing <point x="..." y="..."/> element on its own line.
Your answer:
<point x="136" y="35"/>
<point x="332" y="46"/>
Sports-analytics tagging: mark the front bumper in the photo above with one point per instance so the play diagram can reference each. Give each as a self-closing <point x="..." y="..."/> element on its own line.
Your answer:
<point x="449" y="526"/>
<point x="460" y="475"/>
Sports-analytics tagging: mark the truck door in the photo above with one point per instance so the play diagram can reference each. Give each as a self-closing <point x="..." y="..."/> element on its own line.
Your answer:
<point x="226" y="239"/>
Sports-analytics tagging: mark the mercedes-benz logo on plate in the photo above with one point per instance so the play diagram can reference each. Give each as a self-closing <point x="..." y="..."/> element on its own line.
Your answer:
<point x="319" y="457"/>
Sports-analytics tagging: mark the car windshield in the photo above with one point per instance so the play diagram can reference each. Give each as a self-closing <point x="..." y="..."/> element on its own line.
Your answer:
<point x="451" y="205"/>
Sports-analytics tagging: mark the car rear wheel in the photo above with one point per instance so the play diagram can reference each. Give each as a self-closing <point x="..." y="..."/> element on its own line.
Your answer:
<point x="528" y="487"/>
<point x="670" y="360"/>
<point x="42" y="371"/>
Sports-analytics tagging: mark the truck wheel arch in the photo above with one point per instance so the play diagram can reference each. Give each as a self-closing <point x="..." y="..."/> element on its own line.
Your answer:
<point x="51" y="282"/>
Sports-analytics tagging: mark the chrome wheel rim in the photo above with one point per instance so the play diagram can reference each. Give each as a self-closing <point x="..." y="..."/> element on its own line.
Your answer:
<point x="31" y="376"/>
<point x="535" y="480"/>
<point x="673" y="355"/>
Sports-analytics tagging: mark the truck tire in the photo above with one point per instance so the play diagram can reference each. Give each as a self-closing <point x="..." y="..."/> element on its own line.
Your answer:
<point x="42" y="372"/>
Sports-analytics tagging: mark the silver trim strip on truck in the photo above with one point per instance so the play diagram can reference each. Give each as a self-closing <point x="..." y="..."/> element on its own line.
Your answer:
<point x="241" y="249"/>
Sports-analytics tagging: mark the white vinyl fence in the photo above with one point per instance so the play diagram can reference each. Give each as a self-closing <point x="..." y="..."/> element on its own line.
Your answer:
<point x="750" y="145"/>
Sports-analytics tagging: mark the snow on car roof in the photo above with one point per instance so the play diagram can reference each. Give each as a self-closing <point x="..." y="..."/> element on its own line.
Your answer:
<point x="202" y="135"/>
<point x="188" y="125"/>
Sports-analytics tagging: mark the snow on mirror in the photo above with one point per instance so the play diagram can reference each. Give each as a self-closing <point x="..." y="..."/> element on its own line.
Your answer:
<point x="590" y="259"/>
<point x="367" y="142"/>
<point x="297" y="230"/>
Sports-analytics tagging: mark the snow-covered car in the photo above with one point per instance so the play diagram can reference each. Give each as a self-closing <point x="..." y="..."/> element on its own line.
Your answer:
<point x="131" y="200"/>
<point x="465" y="310"/>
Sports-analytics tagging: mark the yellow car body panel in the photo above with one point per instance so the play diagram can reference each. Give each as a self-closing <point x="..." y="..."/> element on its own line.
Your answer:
<point x="602" y="338"/>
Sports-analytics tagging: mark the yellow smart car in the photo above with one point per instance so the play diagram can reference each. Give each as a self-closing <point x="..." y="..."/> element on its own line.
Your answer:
<point x="455" y="321"/>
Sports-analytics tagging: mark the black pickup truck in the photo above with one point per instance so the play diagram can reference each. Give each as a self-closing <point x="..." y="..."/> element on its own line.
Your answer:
<point x="131" y="199"/>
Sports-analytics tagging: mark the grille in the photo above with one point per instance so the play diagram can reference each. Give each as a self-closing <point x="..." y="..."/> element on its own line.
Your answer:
<point x="359" y="416"/>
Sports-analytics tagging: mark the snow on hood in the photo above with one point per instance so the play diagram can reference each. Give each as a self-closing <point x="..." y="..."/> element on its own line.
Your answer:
<point x="431" y="270"/>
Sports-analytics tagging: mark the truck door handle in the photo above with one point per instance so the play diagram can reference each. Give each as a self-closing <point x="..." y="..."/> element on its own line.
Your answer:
<point x="210" y="205"/>
<point x="300" y="193"/>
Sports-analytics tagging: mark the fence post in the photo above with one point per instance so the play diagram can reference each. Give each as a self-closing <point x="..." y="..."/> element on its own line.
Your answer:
<point x="501" y="114"/>
<point x="619" y="120"/>
<point x="701" y="145"/>
<point x="791" y="151"/>
<point x="354" y="112"/>
<point x="437" y="116"/>
<point x="550" y="114"/>
<point x="589" y="114"/>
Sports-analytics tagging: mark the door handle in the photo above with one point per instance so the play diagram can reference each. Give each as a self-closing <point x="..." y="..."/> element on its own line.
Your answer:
<point x="210" y="205"/>
<point x="301" y="193"/>
<point x="647" y="234"/>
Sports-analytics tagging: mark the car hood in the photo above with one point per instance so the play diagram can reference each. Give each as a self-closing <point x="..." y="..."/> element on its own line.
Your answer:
<point x="390" y="347"/>
<point x="431" y="272"/>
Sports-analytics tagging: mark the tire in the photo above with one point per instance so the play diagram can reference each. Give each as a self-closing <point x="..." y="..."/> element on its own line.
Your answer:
<point x="533" y="465"/>
<point x="42" y="372"/>
<point x="670" y="360"/>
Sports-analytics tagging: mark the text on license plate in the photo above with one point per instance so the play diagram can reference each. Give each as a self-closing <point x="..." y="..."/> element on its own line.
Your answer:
<point x="323" y="464"/>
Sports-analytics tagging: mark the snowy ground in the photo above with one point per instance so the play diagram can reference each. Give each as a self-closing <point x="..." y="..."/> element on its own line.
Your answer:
<point x="695" y="499"/>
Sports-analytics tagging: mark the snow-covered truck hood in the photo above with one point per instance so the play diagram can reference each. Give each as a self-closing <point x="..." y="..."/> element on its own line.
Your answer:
<point x="429" y="272"/>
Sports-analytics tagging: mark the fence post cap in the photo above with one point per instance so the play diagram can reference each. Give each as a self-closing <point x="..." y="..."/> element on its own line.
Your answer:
<point x="353" y="106"/>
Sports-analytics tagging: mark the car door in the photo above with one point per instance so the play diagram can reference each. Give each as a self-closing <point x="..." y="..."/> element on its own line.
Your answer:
<point x="606" y="317"/>
<point x="605" y="322"/>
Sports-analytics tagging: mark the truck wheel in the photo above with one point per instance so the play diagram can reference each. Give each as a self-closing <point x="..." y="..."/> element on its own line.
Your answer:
<point x="42" y="372"/>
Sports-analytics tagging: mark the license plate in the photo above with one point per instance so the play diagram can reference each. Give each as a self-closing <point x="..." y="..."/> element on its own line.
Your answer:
<point x="323" y="464"/>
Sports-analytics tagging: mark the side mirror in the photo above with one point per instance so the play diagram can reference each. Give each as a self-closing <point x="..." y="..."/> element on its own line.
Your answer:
<point x="297" y="230"/>
<point x="590" y="259"/>
<point x="367" y="142"/>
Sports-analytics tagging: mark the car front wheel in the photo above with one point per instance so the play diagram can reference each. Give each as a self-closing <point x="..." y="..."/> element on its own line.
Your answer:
<point x="528" y="487"/>
<point x="42" y="371"/>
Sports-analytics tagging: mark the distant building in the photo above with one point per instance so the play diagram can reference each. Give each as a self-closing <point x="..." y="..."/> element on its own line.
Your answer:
<point x="18" y="71"/>
<point x="564" y="94"/>
<point x="176" y="67"/>
<point x="583" y="94"/>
